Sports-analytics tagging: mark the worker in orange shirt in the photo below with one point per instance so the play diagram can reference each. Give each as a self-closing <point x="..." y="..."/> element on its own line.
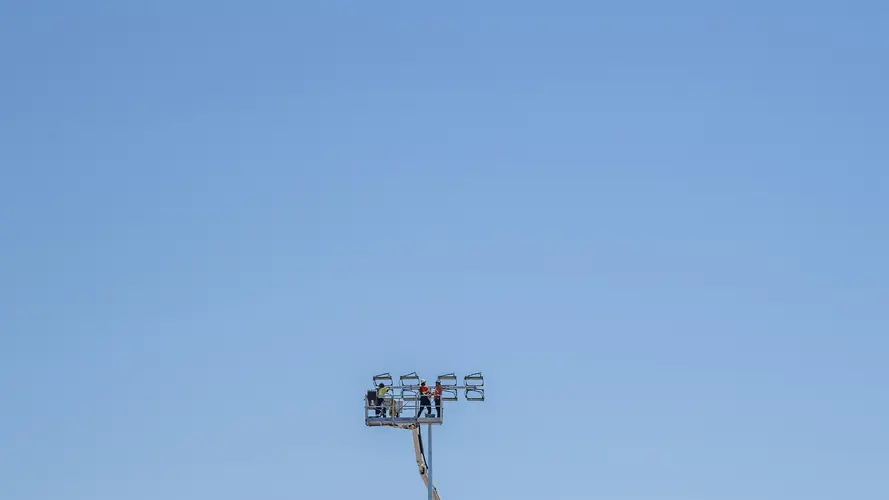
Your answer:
<point x="424" y="400"/>
<point x="436" y="393"/>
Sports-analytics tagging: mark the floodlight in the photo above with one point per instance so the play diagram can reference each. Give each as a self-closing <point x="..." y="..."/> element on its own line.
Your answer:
<point x="474" y="394"/>
<point x="449" y="395"/>
<point x="385" y="378"/>
<point x="412" y="377"/>
<point x="474" y="380"/>
<point x="448" y="380"/>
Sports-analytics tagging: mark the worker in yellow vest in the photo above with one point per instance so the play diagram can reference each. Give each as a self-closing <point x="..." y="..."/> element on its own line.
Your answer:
<point x="381" y="396"/>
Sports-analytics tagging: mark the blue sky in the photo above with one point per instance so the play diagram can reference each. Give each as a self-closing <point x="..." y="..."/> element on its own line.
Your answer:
<point x="659" y="229"/>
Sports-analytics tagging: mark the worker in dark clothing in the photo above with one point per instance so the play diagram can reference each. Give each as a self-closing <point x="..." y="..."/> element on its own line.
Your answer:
<point x="424" y="400"/>
<point x="436" y="393"/>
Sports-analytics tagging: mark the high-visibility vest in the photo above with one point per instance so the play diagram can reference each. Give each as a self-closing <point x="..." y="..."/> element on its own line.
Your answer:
<point x="382" y="392"/>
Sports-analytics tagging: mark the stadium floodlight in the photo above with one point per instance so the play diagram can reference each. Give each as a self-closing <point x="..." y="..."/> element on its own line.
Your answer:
<point x="477" y="394"/>
<point x="385" y="378"/>
<point x="412" y="378"/>
<point x="474" y="380"/>
<point x="449" y="395"/>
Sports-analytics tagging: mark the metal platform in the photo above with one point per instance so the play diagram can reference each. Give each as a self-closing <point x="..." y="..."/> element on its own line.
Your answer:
<point x="400" y="408"/>
<point x="400" y="422"/>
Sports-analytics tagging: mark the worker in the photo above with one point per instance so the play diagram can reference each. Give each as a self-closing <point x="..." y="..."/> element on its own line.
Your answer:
<point x="381" y="395"/>
<point x="424" y="400"/>
<point x="436" y="393"/>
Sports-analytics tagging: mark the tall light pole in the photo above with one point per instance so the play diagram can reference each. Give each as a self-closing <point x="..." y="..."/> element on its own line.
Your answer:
<point x="399" y="406"/>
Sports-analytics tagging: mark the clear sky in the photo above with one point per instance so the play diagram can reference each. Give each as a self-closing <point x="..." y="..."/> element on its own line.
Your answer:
<point x="659" y="229"/>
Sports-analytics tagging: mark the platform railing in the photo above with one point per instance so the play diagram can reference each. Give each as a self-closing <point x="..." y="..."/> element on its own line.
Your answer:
<point x="399" y="407"/>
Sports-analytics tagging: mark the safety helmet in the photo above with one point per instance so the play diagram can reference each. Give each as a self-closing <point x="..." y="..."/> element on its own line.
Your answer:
<point x="423" y="381"/>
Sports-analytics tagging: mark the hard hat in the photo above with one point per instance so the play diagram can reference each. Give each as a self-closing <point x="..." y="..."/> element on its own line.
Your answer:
<point x="423" y="381"/>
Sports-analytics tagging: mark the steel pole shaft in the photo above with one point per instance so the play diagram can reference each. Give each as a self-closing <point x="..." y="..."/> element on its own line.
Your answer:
<point x="429" y="461"/>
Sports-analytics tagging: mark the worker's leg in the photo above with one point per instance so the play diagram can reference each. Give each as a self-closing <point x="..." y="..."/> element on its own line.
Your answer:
<point x="438" y="407"/>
